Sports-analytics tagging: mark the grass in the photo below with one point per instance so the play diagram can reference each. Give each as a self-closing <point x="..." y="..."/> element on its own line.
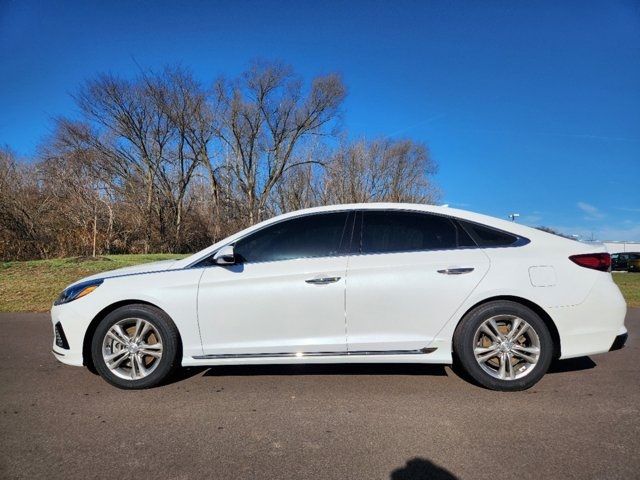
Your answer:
<point x="32" y="286"/>
<point x="629" y="284"/>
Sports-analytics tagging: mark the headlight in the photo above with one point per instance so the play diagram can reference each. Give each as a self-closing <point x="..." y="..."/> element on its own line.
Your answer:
<point x="76" y="291"/>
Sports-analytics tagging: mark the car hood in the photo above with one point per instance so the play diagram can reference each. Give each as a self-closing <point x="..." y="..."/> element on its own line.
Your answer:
<point x="134" y="269"/>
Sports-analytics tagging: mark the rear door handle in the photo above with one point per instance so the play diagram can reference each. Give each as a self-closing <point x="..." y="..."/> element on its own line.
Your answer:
<point x="456" y="271"/>
<point x="322" y="280"/>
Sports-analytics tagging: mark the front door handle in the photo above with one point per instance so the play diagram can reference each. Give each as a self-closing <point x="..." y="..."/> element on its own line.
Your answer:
<point x="322" y="280"/>
<point x="456" y="271"/>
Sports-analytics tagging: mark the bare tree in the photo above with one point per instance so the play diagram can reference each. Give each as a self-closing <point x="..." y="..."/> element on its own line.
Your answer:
<point x="181" y="98"/>
<point x="82" y="196"/>
<point x="20" y="210"/>
<point x="161" y="163"/>
<point x="381" y="170"/>
<point x="303" y="186"/>
<point x="124" y="124"/>
<point x="265" y="117"/>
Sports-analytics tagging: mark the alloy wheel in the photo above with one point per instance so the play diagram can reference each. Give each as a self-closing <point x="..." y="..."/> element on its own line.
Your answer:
<point x="132" y="348"/>
<point x="506" y="347"/>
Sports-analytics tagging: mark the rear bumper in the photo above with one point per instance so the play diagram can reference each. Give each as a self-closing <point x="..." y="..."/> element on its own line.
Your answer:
<point x="619" y="342"/>
<point x="592" y="326"/>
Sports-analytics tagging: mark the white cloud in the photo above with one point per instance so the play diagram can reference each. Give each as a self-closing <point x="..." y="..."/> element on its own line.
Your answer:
<point x="592" y="213"/>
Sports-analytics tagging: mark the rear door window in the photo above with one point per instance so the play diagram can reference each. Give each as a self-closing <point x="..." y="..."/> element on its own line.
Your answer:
<point x="398" y="231"/>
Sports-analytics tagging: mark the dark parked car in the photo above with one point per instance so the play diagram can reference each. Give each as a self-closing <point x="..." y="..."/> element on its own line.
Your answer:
<point x="622" y="261"/>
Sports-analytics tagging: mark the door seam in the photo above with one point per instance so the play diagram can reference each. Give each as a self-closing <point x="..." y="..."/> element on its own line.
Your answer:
<point x="346" y="327"/>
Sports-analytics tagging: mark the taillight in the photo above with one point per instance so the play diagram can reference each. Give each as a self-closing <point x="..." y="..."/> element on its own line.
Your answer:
<point x="597" y="261"/>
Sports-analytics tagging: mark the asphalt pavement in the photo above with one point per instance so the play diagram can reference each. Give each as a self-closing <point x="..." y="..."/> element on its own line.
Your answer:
<point x="395" y="422"/>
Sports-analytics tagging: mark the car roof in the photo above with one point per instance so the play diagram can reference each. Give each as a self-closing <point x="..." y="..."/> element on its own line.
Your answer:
<point x="507" y="225"/>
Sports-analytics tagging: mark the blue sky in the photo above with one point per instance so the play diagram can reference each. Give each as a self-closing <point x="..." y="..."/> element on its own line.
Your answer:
<point x="528" y="107"/>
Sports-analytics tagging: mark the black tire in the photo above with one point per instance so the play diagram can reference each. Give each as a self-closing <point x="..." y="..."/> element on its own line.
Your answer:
<point x="170" y="346"/>
<point x="464" y="338"/>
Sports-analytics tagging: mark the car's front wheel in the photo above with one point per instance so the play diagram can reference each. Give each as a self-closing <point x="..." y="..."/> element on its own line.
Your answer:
<point x="503" y="345"/>
<point x="135" y="346"/>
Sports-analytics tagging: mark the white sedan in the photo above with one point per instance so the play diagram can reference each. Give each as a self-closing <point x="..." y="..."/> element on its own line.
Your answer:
<point x="387" y="283"/>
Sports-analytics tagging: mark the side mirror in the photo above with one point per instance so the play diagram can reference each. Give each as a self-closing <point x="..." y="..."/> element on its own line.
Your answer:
<point x="225" y="256"/>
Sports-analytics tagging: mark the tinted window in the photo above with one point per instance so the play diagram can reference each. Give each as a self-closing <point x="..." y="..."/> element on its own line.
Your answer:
<point x="489" y="237"/>
<point x="387" y="231"/>
<point x="310" y="236"/>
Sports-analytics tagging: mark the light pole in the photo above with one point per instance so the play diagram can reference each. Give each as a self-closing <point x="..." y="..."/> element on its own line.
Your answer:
<point x="513" y="216"/>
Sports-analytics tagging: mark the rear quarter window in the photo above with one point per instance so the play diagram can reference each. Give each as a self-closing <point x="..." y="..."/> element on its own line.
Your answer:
<point x="489" y="237"/>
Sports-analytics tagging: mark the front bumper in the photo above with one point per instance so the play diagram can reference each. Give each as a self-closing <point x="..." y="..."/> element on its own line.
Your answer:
<point x="619" y="342"/>
<point x="67" y="323"/>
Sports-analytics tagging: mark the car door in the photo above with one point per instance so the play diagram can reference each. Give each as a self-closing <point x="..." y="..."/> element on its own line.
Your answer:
<point x="285" y="294"/>
<point x="623" y="262"/>
<point x="615" y="261"/>
<point x="411" y="274"/>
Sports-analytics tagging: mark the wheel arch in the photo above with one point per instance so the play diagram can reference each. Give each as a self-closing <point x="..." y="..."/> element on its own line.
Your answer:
<point x="87" y="360"/>
<point x="546" y="318"/>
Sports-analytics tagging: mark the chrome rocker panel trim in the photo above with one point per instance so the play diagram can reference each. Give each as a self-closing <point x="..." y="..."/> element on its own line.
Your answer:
<point x="421" y="351"/>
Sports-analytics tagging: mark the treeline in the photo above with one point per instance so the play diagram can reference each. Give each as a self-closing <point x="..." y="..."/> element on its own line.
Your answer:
<point x="162" y="163"/>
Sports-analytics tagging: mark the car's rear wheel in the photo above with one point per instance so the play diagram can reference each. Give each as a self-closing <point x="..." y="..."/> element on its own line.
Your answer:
<point x="503" y="345"/>
<point x="135" y="346"/>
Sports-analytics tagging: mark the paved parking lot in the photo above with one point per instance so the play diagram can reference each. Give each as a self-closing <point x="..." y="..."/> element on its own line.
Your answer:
<point x="359" y="422"/>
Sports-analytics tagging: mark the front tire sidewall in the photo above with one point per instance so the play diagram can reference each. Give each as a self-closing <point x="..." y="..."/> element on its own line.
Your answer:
<point x="170" y="346"/>
<point x="464" y="345"/>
